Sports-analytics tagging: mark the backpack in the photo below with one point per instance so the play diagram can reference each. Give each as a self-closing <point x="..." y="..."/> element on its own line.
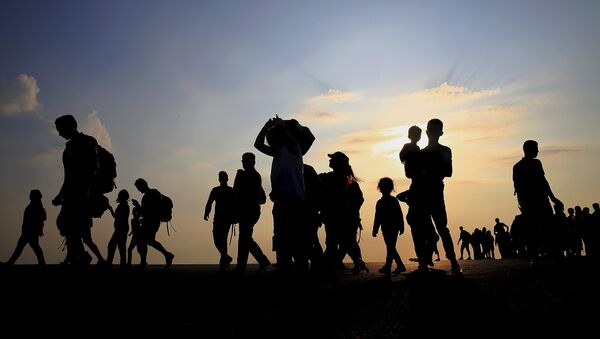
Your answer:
<point x="166" y="208"/>
<point x="104" y="181"/>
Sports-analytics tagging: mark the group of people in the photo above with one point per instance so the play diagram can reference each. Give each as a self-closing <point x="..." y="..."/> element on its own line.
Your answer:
<point x="303" y="201"/>
<point x="79" y="201"/>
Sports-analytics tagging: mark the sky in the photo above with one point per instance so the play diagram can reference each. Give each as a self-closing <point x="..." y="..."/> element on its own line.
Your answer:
<point x="178" y="90"/>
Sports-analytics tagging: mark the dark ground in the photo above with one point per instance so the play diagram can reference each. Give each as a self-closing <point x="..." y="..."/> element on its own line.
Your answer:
<point x="494" y="298"/>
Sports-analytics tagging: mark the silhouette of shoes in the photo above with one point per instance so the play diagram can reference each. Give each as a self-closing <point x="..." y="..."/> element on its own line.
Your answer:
<point x="399" y="270"/>
<point x="360" y="266"/>
<point x="169" y="258"/>
<point x="456" y="269"/>
<point x="266" y="268"/>
<point x="385" y="271"/>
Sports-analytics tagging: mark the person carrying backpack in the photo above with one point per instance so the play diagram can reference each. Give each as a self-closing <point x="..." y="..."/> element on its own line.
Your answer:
<point x="154" y="209"/>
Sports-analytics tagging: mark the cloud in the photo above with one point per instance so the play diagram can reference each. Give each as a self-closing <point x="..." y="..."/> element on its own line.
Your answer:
<point x="94" y="127"/>
<point x="334" y="95"/>
<point x="19" y="95"/>
<point x="319" y="116"/>
<point x="446" y="91"/>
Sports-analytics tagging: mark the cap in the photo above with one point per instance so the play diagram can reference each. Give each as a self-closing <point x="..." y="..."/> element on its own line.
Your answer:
<point x="339" y="156"/>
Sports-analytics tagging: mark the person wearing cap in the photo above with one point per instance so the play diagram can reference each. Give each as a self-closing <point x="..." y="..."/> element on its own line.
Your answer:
<point x="290" y="240"/>
<point x="341" y="213"/>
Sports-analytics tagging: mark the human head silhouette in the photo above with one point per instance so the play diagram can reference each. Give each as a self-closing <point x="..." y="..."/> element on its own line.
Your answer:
<point x="571" y="211"/>
<point x="414" y="134"/>
<point x="66" y="125"/>
<point x="141" y="185"/>
<point x="596" y="206"/>
<point x="497" y="220"/>
<point x="530" y="149"/>
<point x="35" y="195"/>
<point x="385" y="185"/>
<point x="435" y="129"/>
<point x="223" y="177"/>
<point x="248" y="160"/>
<point x="276" y="136"/>
<point x="123" y="196"/>
<point x="460" y="228"/>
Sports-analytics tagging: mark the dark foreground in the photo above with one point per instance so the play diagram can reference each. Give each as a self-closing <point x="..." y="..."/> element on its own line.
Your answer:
<point x="493" y="299"/>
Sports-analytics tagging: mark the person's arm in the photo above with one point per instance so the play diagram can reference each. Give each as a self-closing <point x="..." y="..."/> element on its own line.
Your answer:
<point x="447" y="169"/>
<point x="207" y="208"/>
<point x="376" y="220"/>
<point x="112" y="212"/>
<point x="547" y="186"/>
<point x="260" y="144"/>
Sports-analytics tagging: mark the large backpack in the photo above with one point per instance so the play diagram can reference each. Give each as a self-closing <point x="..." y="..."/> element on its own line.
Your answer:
<point x="166" y="208"/>
<point x="104" y="181"/>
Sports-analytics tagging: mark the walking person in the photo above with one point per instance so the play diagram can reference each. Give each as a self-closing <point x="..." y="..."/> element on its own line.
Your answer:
<point x="31" y="229"/>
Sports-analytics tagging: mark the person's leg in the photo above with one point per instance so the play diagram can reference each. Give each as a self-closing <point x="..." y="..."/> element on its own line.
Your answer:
<point x="122" y="245"/>
<point x="112" y="246"/>
<point x="23" y="240"/>
<point x="87" y="239"/>
<point x="34" y="242"/>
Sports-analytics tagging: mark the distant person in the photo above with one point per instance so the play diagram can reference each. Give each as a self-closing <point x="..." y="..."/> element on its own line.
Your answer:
<point x="223" y="197"/>
<point x="533" y="191"/>
<point x="80" y="161"/>
<point x="410" y="152"/>
<point x="31" y="229"/>
<point x="121" y="224"/>
<point x="465" y="238"/>
<point x="437" y="165"/>
<point x="151" y="208"/>
<point x="503" y="239"/>
<point x="342" y="198"/>
<point x="136" y="213"/>
<point x="388" y="217"/>
<point x="249" y="195"/>
<point x="290" y="241"/>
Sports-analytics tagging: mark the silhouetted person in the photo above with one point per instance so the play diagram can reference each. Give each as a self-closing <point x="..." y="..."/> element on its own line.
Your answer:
<point x="533" y="190"/>
<point x="388" y="216"/>
<point x="249" y="195"/>
<point x="437" y="165"/>
<point x="557" y="233"/>
<point x="312" y="215"/>
<point x="587" y="224"/>
<point x="476" y="241"/>
<point x="489" y="245"/>
<point x="136" y="213"/>
<point x="503" y="239"/>
<point x="465" y="238"/>
<point x="409" y="155"/>
<point x="150" y="207"/>
<point x="290" y="240"/>
<point x="31" y="229"/>
<point x="121" y="224"/>
<point x="223" y="198"/>
<point x="595" y="228"/>
<point x="80" y="161"/>
<point x="341" y="213"/>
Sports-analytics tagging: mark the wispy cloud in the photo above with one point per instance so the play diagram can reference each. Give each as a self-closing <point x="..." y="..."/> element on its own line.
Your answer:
<point x="319" y="116"/>
<point x="94" y="127"/>
<point x="446" y="91"/>
<point x="334" y="95"/>
<point x="19" y="95"/>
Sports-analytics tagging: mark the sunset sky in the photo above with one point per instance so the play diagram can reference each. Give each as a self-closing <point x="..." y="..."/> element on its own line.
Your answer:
<point x="178" y="91"/>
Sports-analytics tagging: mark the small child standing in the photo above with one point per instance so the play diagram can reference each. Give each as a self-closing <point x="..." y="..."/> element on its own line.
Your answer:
<point x="388" y="216"/>
<point x="119" y="237"/>
<point x="32" y="228"/>
<point x="409" y="155"/>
